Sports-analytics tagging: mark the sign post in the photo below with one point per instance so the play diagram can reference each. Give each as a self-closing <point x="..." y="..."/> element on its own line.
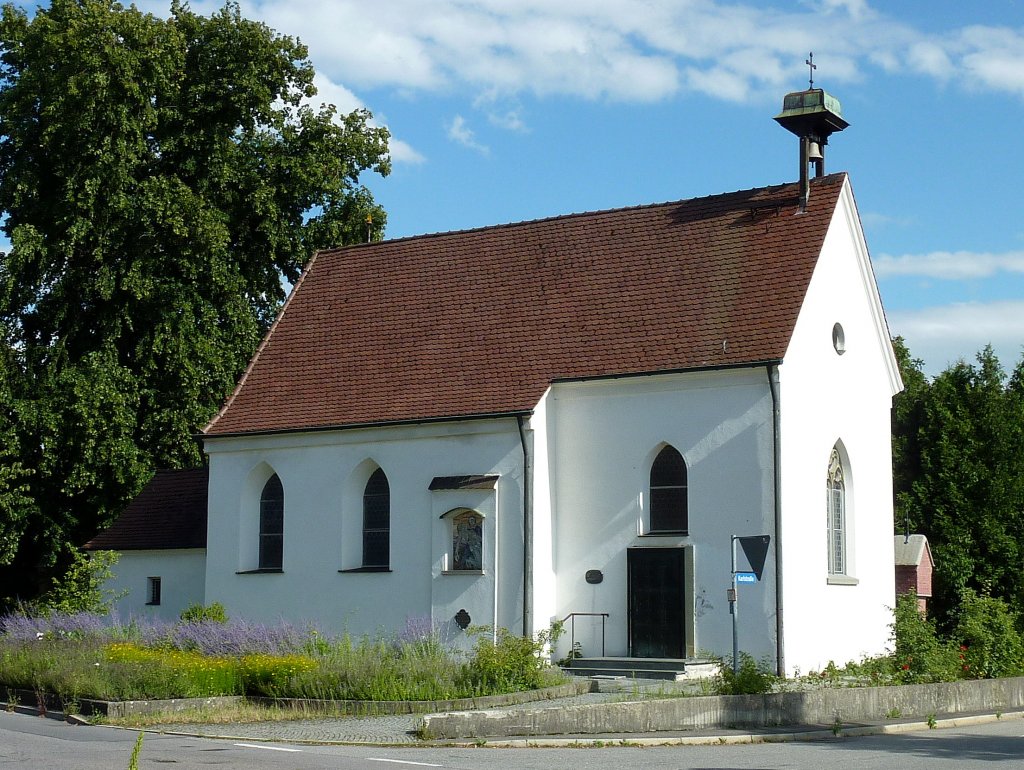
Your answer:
<point x="755" y="548"/>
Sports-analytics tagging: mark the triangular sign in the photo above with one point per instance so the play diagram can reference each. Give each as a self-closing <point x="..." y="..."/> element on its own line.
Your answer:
<point x="755" y="548"/>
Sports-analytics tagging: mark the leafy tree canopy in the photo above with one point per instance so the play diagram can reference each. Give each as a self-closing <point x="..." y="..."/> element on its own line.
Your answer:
<point x="958" y="455"/>
<point x="159" y="177"/>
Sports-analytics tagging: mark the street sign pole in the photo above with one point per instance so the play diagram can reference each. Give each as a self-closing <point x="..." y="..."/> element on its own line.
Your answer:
<point x="734" y="609"/>
<point x="755" y="547"/>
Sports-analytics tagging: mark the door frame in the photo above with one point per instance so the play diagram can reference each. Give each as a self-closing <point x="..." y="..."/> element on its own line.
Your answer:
<point x="687" y="609"/>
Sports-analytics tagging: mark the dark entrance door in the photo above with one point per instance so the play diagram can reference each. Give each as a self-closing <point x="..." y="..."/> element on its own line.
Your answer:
<point x="656" y="602"/>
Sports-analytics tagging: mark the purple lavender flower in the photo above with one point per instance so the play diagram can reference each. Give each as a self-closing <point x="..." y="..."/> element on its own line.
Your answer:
<point x="55" y="625"/>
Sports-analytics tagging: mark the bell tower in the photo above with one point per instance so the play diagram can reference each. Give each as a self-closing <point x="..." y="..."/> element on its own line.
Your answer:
<point x="813" y="115"/>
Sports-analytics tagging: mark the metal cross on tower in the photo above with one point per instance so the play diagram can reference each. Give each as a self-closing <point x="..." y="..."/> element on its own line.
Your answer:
<point x="812" y="66"/>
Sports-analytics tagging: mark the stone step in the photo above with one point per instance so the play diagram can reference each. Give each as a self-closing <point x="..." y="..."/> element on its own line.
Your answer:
<point x="642" y="668"/>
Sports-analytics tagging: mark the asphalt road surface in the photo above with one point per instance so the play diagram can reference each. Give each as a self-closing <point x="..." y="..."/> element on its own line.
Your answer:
<point x="28" y="741"/>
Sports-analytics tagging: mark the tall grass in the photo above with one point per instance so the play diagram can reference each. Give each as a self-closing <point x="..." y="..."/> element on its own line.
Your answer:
<point x="106" y="658"/>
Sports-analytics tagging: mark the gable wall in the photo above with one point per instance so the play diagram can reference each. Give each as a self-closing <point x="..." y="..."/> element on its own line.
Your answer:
<point x="603" y="438"/>
<point x="824" y="398"/>
<point x="324" y="474"/>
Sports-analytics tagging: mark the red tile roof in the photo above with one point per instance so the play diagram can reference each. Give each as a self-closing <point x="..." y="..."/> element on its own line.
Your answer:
<point x="170" y="512"/>
<point x="480" y="322"/>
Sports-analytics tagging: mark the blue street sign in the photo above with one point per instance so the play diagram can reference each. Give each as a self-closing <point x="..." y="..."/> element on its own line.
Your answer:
<point x="746" y="577"/>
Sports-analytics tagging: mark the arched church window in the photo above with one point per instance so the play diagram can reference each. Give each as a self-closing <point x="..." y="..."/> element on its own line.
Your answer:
<point x="272" y="524"/>
<point x="669" y="492"/>
<point x="836" y="511"/>
<point x="377" y="521"/>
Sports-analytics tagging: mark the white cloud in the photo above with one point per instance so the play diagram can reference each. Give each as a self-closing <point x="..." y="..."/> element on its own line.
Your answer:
<point x="876" y="219"/>
<point x="459" y="132"/>
<point x="501" y="112"/>
<point x="618" y="49"/>
<point x="621" y="50"/>
<point x="945" y="334"/>
<point x="329" y="92"/>
<point x="949" y="265"/>
<point x="930" y="58"/>
<point x="403" y="152"/>
<point x="510" y="120"/>
<point x="992" y="57"/>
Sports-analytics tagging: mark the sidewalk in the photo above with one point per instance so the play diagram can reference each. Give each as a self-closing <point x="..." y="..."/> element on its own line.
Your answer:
<point x="395" y="729"/>
<point x="398" y="730"/>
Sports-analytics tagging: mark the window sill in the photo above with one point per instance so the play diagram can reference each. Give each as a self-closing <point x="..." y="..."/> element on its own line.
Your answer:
<point x="365" y="569"/>
<point x="152" y="604"/>
<point x="842" y="580"/>
<point x="667" y="533"/>
<point x="262" y="571"/>
<point x="462" y="572"/>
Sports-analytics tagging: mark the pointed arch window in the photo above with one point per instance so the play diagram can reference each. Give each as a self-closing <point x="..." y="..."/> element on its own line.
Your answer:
<point x="836" y="511"/>
<point x="669" y="492"/>
<point x="377" y="521"/>
<point x="272" y="524"/>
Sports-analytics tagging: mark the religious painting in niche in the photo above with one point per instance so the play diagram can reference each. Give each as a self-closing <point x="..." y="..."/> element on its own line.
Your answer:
<point x="468" y="541"/>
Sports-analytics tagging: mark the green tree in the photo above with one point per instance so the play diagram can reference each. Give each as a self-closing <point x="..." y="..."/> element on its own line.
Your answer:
<point x="959" y="465"/>
<point x="907" y="417"/>
<point x="15" y="505"/>
<point x="159" y="177"/>
<point x="82" y="588"/>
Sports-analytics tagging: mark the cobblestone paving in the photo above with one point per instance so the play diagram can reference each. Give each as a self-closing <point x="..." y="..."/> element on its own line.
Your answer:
<point x="395" y="729"/>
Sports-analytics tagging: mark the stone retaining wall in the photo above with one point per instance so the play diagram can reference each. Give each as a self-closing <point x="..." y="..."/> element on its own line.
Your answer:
<point x="814" y="707"/>
<point x="52" y="702"/>
<point x="361" y="707"/>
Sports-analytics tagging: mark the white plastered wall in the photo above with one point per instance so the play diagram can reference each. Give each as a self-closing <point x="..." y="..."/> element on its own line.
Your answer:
<point x="545" y="585"/>
<point x="827" y="398"/>
<point x="323" y="474"/>
<point x="182" y="574"/>
<point x="603" y="437"/>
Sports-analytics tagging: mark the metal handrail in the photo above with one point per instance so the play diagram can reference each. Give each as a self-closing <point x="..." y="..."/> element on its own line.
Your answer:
<point x="571" y="617"/>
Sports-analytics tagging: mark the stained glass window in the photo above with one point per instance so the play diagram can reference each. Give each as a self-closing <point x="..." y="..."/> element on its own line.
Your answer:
<point x="836" y="504"/>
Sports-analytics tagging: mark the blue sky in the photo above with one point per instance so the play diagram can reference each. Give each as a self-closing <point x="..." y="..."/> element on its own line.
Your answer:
<point x="505" y="110"/>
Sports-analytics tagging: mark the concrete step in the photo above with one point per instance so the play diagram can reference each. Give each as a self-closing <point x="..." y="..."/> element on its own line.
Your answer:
<point x="642" y="668"/>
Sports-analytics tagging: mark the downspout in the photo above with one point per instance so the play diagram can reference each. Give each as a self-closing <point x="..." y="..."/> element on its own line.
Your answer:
<point x="527" y="531"/>
<point x="498" y="520"/>
<point x="780" y="644"/>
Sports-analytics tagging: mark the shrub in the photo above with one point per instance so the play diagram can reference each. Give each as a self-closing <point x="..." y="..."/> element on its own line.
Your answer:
<point x="920" y="655"/>
<point x="509" y="663"/>
<point x="197" y="613"/>
<point x="81" y="588"/>
<point x="751" y="677"/>
<point x="990" y="644"/>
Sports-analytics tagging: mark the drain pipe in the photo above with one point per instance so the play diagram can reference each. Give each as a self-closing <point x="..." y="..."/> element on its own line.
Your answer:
<point x="780" y="645"/>
<point x="527" y="531"/>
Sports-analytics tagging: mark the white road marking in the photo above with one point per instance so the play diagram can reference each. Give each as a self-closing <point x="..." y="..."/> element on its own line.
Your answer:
<point x="268" y="748"/>
<point x="403" y="762"/>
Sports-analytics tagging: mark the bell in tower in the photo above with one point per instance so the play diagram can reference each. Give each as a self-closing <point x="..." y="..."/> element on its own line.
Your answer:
<point x="813" y="115"/>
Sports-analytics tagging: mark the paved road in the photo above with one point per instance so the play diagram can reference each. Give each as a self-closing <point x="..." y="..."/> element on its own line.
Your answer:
<point x="28" y="741"/>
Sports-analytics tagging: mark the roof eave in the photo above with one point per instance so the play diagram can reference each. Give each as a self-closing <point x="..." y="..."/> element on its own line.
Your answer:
<point x="759" y="364"/>
<point x="368" y="425"/>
